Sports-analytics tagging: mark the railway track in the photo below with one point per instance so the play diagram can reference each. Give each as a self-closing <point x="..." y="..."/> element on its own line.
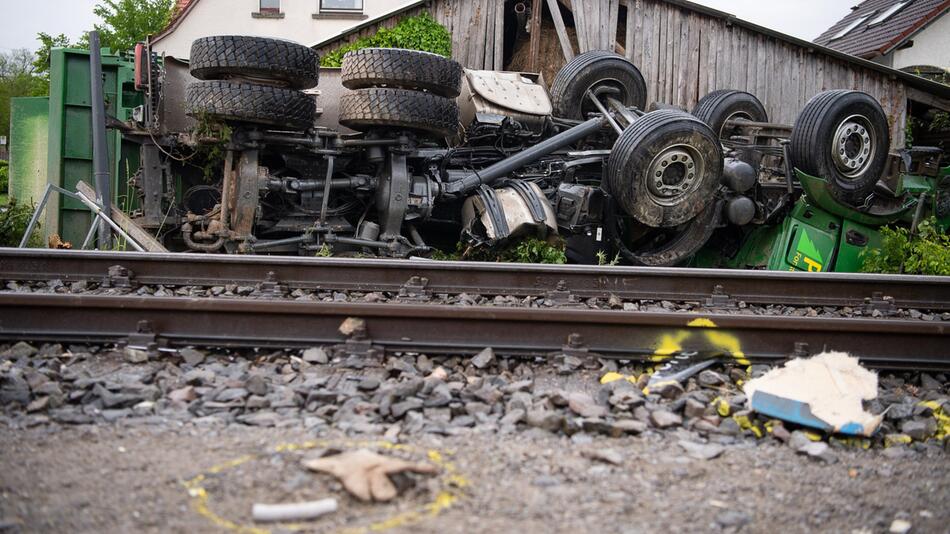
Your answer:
<point x="155" y="322"/>
<point x="713" y="288"/>
<point x="430" y="327"/>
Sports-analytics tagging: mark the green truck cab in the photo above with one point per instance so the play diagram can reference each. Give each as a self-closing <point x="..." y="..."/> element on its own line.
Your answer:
<point x="821" y="234"/>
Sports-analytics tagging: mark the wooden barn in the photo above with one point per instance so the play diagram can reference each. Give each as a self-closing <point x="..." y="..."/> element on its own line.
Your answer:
<point x="684" y="51"/>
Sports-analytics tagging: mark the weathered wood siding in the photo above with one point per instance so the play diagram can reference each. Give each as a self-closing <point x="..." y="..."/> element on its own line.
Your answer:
<point x="475" y="25"/>
<point x="477" y="28"/>
<point x="685" y="55"/>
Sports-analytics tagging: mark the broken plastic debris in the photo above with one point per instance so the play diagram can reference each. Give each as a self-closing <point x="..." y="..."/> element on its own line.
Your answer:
<point x="299" y="511"/>
<point x="365" y="474"/>
<point x="680" y="367"/>
<point x="824" y="392"/>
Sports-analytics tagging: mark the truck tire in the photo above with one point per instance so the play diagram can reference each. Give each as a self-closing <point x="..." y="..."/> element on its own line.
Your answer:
<point x="843" y="137"/>
<point x="682" y="245"/>
<point x="270" y="60"/>
<point x="665" y="168"/>
<point x="595" y="70"/>
<point x="367" y="109"/>
<point x="251" y="103"/>
<point x="719" y="107"/>
<point x="404" y="69"/>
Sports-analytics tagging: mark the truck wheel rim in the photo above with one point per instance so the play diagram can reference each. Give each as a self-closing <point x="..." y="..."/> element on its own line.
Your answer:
<point x="853" y="146"/>
<point x="674" y="173"/>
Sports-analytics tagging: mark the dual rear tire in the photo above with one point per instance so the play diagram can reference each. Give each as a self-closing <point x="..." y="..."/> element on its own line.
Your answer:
<point x="405" y="89"/>
<point x="253" y="80"/>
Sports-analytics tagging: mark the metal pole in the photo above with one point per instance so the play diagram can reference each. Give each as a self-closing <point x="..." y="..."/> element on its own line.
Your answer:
<point x="92" y="230"/>
<point x="525" y="157"/>
<point x="99" y="212"/>
<point x="600" y="107"/>
<point x="100" y="150"/>
<point x="35" y="217"/>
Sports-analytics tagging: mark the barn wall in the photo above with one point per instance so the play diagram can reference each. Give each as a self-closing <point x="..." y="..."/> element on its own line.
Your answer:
<point x="475" y="26"/>
<point x="685" y="55"/>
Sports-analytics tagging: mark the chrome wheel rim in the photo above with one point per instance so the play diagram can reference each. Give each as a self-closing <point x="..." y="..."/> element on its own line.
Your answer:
<point x="675" y="173"/>
<point x="853" y="146"/>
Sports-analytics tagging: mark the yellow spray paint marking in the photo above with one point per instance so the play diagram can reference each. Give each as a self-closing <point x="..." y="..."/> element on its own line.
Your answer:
<point x="702" y="322"/>
<point x="452" y="481"/>
<point x="616" y="377"/>
<point x="722" y="406"/>
<point x="669" y="345"/>
<point x="891" y="440"/>
<point x="942" y="417"/>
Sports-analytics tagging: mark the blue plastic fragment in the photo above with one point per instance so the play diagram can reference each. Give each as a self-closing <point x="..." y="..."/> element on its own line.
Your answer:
<point x="798" y="412"/>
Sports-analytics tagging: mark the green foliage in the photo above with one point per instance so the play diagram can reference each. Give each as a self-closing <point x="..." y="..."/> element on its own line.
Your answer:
<point x="928" y="252"/>
<point x="13" y="221"/>
<point x="421" y="32"/>
<point x="17" y="78"/>
<point x="4" y="177"/>
<point x="536" y="251"/>
<point x="604" y="262"/>
<point x="531" y="250"/>
<point x="213" y="137"/>
<point x="324" y="252"/>
<point x="126" y="22"/>
<point x="47" y="44"/>
<point x="941" y="121"/>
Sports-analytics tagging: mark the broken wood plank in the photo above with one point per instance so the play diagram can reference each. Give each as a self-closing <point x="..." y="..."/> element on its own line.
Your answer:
<point x="139" y="234"/>
<point x="562" y="35"/>
<point x="534" y="51"/>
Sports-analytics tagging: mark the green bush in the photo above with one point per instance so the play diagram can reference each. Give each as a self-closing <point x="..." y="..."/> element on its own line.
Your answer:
<point x="530" y="250"/>
<point x="4" y="177"/>
<point x="13" y="221"/>
<point x="421" y="32"/>
<point x="926" y="253"/>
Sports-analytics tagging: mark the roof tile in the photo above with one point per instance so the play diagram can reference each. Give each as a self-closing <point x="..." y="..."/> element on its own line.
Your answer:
<point x="871" y="41"/>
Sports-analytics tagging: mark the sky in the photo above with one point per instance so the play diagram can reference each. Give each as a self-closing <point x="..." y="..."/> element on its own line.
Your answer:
<point x="21" y="20"/>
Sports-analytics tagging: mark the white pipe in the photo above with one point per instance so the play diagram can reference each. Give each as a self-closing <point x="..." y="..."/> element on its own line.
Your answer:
<point x="293" y="512"/>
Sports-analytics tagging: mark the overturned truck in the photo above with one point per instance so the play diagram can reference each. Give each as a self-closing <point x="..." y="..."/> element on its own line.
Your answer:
<point x="426" y="156"/>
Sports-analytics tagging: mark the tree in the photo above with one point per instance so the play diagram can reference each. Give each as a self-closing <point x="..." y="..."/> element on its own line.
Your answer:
<point x="17" y="78"/>
<point x="126" y="22"/>
<point x="47" y="43"/>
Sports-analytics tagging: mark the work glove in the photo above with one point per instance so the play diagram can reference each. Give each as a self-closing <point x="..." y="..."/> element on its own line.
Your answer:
<point x="365" y="474"/>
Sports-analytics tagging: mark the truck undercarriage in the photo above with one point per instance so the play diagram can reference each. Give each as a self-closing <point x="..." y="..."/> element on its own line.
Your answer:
<point x="425" y="156"/>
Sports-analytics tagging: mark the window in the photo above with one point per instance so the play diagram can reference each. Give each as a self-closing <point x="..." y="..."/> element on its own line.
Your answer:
<point x="847" y="29"/>
<point x="270" y="6"/>
<point x="341" y="5"/>
<point x="888" y="13"/>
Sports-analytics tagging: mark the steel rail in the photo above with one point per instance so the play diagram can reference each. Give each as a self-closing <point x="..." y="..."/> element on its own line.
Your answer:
<point x="718" y="287"/>
<point x="432" y="329"/>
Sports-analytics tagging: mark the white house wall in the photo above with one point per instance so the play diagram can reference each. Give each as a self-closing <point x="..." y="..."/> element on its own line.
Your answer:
<point x="931" y="47"/>
<point x="234" y="17"/>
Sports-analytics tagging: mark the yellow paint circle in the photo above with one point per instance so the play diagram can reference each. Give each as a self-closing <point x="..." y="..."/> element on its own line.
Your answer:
<point x="453" y="484"/>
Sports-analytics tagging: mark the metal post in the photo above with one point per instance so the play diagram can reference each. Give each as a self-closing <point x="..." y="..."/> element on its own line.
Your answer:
<point x="525" y="157"/>
<point x="99" y="212"/>
<point x="36" y="215"/>
<point x="100" y="150"/>
<point x="600" y="107"/>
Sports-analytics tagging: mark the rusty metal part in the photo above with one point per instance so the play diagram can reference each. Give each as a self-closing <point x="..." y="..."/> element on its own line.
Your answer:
<point x="464" y="330"/>
<point x="631" y="283"/>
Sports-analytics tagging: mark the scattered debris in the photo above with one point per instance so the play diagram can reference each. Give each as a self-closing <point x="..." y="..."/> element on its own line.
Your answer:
<point x="900" y="526"/>
<point x="300" y="511"/>
<point x="824" y="392"/>
<point x="608" y="456"/>
<point x="365" y="474"/>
